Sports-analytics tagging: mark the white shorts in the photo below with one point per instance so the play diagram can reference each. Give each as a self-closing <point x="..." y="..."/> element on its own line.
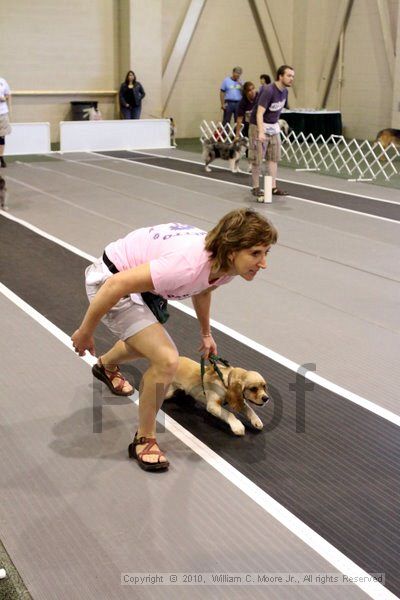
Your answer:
<point x="129" y="316"/>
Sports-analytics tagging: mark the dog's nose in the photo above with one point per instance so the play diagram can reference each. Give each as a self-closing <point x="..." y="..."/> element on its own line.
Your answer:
<point x="265" y="399"/>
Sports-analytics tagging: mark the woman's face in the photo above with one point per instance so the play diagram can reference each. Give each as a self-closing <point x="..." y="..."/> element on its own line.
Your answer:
<point x="251" y="92"/>
<point x="131" y="77"/>
<point x="248" y="262"/>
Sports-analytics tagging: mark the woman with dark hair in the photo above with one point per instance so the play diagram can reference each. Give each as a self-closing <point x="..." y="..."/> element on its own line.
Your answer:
<point x="264" y="79"/>
<point x="131" y="94"/>
<point x="245" y="107"/>
<point x="129" y="285"/>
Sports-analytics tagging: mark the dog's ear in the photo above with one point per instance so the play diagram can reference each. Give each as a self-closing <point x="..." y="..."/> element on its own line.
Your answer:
<point x="234" y="396"/>
<point x="234" y="393"/>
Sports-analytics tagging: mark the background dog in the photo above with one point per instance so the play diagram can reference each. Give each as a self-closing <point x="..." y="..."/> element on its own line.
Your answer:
<point x="239" y="387"/>
<point x="3" y="194"/>
<point x="385" y="137"/>
<point x="284" y="125"/>
<point x="231" y="151"/>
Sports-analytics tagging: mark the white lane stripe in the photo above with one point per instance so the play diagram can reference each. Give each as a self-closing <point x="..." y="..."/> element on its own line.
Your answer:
<point x="68" y="202"/>
<point x="48" y="236"/>
<point x="186" y="213"/>
<point x="307" y="535"/>
<point x="282" y="360"/>
<point x="241" y="185"/>
<point x="318" y="187"/>
<point x="350" y="210"/>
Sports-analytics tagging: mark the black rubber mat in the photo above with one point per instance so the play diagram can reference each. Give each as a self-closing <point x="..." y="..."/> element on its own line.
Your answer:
<point x="328" y="461"/>
<point x="331" y="198"/>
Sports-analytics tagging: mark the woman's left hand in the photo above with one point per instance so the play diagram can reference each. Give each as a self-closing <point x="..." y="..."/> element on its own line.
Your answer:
<point x="208" y="346"/>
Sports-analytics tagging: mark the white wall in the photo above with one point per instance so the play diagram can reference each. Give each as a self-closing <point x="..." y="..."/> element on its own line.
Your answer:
<point x="90" y="44"/>
<point x="367" y="88"/>
<point x="226" y="36"/>
<point x="58" y="46"/>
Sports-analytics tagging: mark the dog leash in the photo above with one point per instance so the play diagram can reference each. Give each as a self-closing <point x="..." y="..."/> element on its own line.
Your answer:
<point x="213" y="359"/>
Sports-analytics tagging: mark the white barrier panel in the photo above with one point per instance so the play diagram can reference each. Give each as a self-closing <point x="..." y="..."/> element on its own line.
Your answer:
<point x="114" y="135"/>
<point x="28" y="138"/>
<point x="357" y="160"/>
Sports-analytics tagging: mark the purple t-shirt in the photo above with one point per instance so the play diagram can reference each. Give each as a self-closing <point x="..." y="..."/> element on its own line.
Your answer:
<point x="273" y="100"/>
<point x="246" y="106"/>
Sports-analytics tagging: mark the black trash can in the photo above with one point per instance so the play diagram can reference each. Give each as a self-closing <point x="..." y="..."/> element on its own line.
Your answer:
<point x="80" y="109"/>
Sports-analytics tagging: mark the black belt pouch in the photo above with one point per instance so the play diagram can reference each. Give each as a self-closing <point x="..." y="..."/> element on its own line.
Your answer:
<point x="158" y="306"/>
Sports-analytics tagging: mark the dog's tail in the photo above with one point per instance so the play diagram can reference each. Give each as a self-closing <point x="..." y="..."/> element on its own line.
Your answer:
<point x="207" y="147"/>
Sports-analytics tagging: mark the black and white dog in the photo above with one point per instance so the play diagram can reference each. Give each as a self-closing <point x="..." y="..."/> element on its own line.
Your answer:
<point x="231" y="151"/>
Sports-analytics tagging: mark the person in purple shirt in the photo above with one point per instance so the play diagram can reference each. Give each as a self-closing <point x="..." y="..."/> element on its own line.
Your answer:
<point x="246" y="105"/>
<point x="264" y="131"/>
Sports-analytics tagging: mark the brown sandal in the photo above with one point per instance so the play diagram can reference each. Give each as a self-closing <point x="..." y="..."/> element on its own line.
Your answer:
<point x="277" y="192"/>
<point x="145" y="465"/>
<point x="107" y="376"/>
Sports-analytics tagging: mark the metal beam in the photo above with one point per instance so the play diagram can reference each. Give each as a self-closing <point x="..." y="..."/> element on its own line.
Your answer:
<point x="269" y="37"/>
<point x="180" y="48"/>
<point x="332" y="51"/>
<point x="387" y="34"/>
<point x="395" y="120"/>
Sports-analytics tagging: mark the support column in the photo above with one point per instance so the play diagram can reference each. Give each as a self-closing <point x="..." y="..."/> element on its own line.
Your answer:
<point x="396" y="79"/>
<point x="141" y="49"/>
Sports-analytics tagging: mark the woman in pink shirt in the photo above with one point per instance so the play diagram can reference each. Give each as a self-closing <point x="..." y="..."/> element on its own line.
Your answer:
<point x="165" y="261"/>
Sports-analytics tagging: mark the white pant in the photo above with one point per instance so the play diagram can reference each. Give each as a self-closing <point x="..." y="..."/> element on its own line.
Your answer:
<point x="129" y="316"/>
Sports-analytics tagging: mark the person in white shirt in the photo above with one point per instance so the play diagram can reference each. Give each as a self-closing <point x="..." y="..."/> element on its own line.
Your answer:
<point x="5" y="128"/>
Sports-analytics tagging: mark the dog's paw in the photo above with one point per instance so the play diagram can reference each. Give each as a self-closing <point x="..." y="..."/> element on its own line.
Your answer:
<point x="208" y="169"/>
<point x="237" y="428"/>
<point x="257" y="423"/>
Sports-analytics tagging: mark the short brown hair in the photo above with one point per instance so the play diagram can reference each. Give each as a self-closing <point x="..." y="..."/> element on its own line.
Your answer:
<point x="246" y="86"/>
<point x="238" y="230"/>
<point x="281" y="71"/>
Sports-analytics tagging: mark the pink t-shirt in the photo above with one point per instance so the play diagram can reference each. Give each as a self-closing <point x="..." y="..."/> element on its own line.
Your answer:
<point x="179" y="264"/>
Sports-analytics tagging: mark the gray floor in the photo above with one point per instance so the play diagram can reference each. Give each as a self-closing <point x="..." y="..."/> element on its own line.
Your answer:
<point x="76" y="513"/>
<point x="330" y="295"/>
<point x="70" y="498"/>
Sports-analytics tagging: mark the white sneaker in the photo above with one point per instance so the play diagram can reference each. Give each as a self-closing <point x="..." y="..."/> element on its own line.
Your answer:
<point x="259" y="194"/>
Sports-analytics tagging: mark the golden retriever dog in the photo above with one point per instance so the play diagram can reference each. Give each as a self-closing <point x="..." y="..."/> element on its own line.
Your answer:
<point x="385" y="137"/>
<point x="238" y="388"/>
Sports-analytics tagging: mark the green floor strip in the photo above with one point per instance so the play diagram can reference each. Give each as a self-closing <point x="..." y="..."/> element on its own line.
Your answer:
<point x="12" y="587"/>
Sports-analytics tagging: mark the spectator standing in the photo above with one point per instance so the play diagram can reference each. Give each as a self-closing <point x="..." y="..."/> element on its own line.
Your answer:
<point x="264" y="79"/>
<point x="231" y="94"/>
<point x="131" y="94"/>
<point x="5" y="127"/>
<point x="264" y="129"/>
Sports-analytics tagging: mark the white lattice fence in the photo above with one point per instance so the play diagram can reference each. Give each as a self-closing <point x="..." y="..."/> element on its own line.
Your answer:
<point x="216" y="131"/>
<point x="361" y="161"/>
<point x="356" y="160"/>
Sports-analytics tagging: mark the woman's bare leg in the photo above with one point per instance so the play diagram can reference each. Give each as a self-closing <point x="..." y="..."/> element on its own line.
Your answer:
<point x="154" y="344"/>
<point x="121" y="352"/>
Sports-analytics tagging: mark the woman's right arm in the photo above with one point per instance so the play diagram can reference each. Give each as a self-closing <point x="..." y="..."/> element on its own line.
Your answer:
<point x="122" y="284"/>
